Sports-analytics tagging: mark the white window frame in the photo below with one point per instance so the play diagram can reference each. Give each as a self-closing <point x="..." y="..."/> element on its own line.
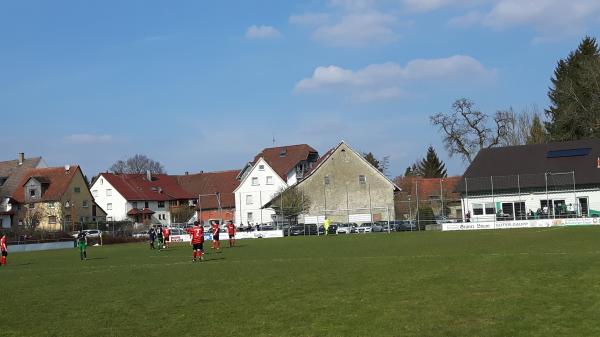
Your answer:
<point x="249" y="199"/>
<point x="85" y="204"/>
<point x="255" y="181"/>
<point x="261" y="167"/>
<point x="109" y="192"/>
<point x="362" y="179"/>
<point x="95" y="193"/>
<point x="249" y="216"/>
<point x="109" y="206"/>
<point x="269" y="180"/>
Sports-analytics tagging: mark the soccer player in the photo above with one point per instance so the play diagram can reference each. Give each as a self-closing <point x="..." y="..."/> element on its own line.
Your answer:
<point x="166" y="235"/>
<point x="215" y="233"/>
<point x="197" y="234"/>
<point x="159" y="237"/>
<point x="4" y="250"/>
<point x="231" y="233"/>
<point x="152" y="237"/>
<point x="82" y="244"/>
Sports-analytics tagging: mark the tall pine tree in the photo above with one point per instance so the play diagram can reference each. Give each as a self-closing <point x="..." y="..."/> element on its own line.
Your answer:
<point x="574" y="112"/>
<point x="432" y="166"/>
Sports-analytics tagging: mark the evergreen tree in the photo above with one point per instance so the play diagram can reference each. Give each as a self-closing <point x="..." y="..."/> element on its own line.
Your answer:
<point x="370" y="157"/>
<point x="432" y="166"/>
<point x="537" y="132"/>
<point x="574" y="112"/>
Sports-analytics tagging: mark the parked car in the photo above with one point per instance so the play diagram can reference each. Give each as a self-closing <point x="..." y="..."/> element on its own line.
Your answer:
<point x="380" y="226"/>
<point x="366" y="227"/>
<point x="346" y="228"/>
<point x="266" y="227"/>
<point x="90" y="233"/>
<point x="332" y="228"/>
<point x="296" y="230"/>
<point x="140" y="235"/>
<point x="404" y="225"/>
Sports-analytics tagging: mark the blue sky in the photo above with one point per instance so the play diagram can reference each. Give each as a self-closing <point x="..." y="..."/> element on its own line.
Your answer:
<point x="205" y="85"/>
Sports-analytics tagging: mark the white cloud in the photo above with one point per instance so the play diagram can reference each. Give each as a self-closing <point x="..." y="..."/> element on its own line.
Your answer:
<point x="387" y="80"/>
<point x="469" y="19"/>
<point x="87" y="138"/>
<point x="262" y="32"/>
<point x="359" y="30"/>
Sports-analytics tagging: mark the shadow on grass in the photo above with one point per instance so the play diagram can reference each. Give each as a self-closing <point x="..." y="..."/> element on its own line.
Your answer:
<point x="213" y="259"/>
<point x="97" y="258"/>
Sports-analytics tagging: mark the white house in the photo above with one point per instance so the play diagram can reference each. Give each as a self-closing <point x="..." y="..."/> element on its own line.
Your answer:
<point x="556" y="180"/>
<point x="272" y="170"/>
<point x="142" y="198"/>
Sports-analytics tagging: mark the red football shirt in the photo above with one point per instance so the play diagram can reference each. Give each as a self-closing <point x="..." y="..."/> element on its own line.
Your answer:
<point x="197" y="234"/>
<point x="166" y="232"/>
<point x="3" y="244"/>
<point x="215" y="229"/>
<point x="230" y="228"/>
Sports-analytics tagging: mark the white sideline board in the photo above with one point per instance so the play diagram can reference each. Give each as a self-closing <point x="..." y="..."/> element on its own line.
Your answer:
<point x="360" y="217"/>
<point x="534" y="223"/>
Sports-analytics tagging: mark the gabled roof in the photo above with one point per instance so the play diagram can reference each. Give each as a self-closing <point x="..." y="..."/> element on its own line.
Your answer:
<point x="223" y="182"/>
<point x="136" y="187"/>
<point x="429" y="187"/>
<point x="57" y="180"/>
<point x="533" y="161"/>
<point x="14" y="172"/>
<point x="328" y="154"/>
<point x="283" y="159"/>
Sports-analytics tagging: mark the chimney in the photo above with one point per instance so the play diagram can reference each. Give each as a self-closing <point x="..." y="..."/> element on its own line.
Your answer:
<point x="148" y="175"/>
<point x="21" y="158"/>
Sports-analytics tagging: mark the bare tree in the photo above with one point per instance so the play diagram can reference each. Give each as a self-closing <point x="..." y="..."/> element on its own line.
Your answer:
<point x="467" y="130"/>
<point x="137" y="164"/>
<point x="290" y="203"/>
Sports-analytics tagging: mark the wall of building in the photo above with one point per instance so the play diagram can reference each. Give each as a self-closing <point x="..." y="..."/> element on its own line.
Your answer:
<point x="533" y="202"/>
<point x="260" y="194"/>
<point x="119" y="209"/>
<point x="345" y="197"/>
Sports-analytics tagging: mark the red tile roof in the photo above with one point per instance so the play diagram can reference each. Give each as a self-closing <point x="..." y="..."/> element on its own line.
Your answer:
<point x="56" y="178"/>
<point x="429" y="187"/>
<point x="136" y="187"/>
<point x="282" y="164"/>
<point x="224" y="182"/>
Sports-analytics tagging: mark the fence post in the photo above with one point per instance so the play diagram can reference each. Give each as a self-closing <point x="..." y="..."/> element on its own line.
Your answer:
<point x="417" y="195"/>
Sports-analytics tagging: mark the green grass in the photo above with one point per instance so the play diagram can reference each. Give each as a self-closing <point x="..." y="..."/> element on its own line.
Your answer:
<point x="538" y="282"/>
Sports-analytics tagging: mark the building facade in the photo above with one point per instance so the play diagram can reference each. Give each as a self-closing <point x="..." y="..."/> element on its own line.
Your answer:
<point x="344" y="187"/>
<point x="272" y="170"/>
<point x="556" y="180"/>
<point x="150" y="199"/>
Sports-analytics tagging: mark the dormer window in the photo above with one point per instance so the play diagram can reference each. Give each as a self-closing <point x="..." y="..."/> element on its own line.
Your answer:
<point x="283" y="152"/>
<point x="32" y="193"/>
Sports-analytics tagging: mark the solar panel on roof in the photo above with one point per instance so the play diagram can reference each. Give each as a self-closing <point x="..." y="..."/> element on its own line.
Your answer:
<point x="569" y="153"/>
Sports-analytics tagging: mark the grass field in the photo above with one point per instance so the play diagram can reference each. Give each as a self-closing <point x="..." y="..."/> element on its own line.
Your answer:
<point x="539" y="282"/>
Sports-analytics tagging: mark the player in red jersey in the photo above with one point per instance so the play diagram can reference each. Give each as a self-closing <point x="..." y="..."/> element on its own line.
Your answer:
<point x="166" y="233"/>
<point x="197" y="234"/>
<point x="215" y="235"/>
<point x="231" y="233"/>
<point x="4" y="250"/>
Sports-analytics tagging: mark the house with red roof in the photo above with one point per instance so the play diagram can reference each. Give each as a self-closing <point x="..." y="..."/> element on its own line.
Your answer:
<point x="141" y="198"/>
<point x="55" y="198"/>
<point x="271" y="170"/>
<point x="214" y="192"/>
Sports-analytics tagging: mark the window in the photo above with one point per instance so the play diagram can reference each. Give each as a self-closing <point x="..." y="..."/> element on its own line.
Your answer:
<point x="134" y="204"/>
<point x="101" y="181"/>
<point x="109" y="207"/>
<point x="109" y="218"/>
<point x="254" y="181"/>
<point x="52" y="219"/>
<point x="477" y="209"/>
<point x="327" y="180"/>
<point x="490" y="208"/>
<point x="95" y="193"/>
<point x="362" y="179"/>
<point x="161" y="204"/>
<point x="269" y="180"/>
<point x="146" y="204"/>
<point x="50" y="204"/>
<point x="261" y="167"/>
<point x="249" y="216"/>
<point x="85" y="204"/>
<point x="32" y="192"/>
<point x="249" y="200"/>
<point x="109" y="192"/>
<point x="77" y="189"/>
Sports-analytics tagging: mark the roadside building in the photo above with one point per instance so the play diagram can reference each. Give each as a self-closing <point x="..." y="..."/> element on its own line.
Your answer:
<point x="11" y="172"/>
<point x="214" y="192"/>
<point x="55" y="198"/>
<point x="272" y="170"/>
<point x="142" y="198"/>
<point x="556" y="180"/>
<point x="344" y="187"/>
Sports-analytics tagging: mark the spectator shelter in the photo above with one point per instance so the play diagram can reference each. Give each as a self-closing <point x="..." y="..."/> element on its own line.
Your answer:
<point x="541" y="181"/>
